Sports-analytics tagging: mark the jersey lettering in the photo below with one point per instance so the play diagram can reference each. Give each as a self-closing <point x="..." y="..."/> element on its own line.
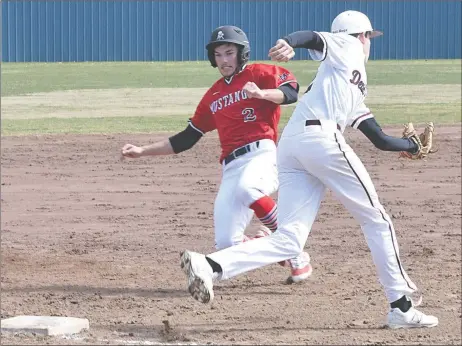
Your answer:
<point x="249" y="114"/>
<point x="356" y="80"/>
<point x="227" y="100"/>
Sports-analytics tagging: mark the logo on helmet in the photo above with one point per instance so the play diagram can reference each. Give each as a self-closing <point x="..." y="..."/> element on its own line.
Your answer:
<point x="220" y="35"/>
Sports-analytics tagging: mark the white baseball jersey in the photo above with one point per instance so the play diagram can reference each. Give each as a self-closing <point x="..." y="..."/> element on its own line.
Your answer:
<point x="338" y="91"/>
<point x="313" y="158"/>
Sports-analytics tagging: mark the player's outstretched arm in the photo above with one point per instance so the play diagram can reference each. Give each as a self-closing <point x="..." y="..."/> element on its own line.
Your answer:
<point x="178" y="143"/>
<point x="305" y="39"/>
<point x="283" y="50"/>
<point x="372" y="130"/>
<point x="159" y="148"/>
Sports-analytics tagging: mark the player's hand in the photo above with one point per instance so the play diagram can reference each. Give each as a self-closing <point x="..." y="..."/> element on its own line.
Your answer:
<point x="131" y="151"/>
<point x="252" y="90"/>
<point x="282" y="51"/>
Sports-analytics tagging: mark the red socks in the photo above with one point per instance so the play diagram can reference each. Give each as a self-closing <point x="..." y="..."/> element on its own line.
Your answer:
<point x="266" y="210"/>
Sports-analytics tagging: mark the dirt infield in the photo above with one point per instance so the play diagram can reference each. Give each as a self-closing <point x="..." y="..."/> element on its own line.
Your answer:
<point x="86" y="235"/>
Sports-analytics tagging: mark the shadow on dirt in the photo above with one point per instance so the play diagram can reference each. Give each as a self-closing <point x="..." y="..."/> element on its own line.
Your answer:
<point x="104" y="291"/>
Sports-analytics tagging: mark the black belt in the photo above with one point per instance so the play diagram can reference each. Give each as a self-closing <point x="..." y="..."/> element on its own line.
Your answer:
<point x="317" y="122"/>
<point x="239" y="152"/>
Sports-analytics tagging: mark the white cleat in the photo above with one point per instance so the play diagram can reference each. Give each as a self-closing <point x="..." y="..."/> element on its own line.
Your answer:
<point x="413" y="318"/>
<point x="300" y="268"/>
<point x="200" y="276"/>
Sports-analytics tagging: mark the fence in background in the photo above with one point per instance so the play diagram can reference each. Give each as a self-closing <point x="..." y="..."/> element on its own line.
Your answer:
<point x="146" y="30"/>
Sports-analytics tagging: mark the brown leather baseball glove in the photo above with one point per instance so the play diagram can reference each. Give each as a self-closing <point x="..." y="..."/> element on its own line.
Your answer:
<point x="424" y="141"/>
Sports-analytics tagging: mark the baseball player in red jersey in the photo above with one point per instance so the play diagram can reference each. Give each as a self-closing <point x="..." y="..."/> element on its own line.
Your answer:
<point x="244" y="107"/>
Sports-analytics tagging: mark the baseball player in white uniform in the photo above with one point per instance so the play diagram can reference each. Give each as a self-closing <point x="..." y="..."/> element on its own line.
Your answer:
<point x="313" y="155"/>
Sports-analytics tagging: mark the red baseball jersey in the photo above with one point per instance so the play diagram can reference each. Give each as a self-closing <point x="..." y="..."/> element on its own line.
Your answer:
<point x="238" y="119"/>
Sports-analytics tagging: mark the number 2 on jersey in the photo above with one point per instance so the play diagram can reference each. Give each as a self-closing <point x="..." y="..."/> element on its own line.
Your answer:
<point x="249" y="114"/>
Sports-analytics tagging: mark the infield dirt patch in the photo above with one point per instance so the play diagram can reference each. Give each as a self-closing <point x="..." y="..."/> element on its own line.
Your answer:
<point x="86" y="235"/>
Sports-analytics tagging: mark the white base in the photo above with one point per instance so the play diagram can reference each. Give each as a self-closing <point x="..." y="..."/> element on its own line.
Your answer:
<point x="44" y="325"/>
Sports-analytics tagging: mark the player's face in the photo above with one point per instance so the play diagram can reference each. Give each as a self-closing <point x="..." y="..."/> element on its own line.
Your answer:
<point x="366" y="41"/>
<point x="226" y="59"/>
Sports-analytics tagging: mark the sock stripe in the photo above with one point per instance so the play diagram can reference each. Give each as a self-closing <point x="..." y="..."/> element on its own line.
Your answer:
<point x="266" y="211"/>
<point x="268" y="222"/>
<point x="271" y="220"/>
<point x="272" y="214"/>
<point x="273" y="223"/>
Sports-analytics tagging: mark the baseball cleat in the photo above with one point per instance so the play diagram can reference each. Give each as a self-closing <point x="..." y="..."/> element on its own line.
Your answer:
<point x="413" y="318"/>
<point x="200" y="275"/>
<point x="300" y="268"/>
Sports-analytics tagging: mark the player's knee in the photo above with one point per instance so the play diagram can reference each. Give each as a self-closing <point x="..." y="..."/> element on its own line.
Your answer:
<point x="374" y="216"/>
<point x="247" y="192"/>
<point x="243" y="193"/>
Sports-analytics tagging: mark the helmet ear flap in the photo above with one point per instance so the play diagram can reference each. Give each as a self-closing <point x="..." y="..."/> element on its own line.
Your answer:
<point x="245" y="55"/>
<point x="211" y="55"/>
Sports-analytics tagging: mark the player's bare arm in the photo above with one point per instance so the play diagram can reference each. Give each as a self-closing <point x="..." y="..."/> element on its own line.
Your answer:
<point x="285" y="94"/>
<point x="158" y="148"/>
<point x="253" y="91"/>
<point x="178" y="143"/>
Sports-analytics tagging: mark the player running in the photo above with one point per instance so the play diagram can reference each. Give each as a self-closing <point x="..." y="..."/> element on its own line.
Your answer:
<point x="244" y="107"/>
<point x="313" y="155"/>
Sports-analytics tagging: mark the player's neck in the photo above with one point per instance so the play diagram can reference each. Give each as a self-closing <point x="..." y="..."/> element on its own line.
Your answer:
<point x="229" y="79"/>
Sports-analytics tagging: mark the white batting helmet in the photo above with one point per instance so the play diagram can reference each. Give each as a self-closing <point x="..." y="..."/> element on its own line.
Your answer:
<point x="353" y="22"/>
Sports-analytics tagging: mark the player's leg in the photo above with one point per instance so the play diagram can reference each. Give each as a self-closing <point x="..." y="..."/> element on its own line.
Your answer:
<point x="346" y="176"/>
<point x="259" y="179"/>
<point x="249" y="180"/>
<point x="231" y="218"/>
<point x="300" y="195"/>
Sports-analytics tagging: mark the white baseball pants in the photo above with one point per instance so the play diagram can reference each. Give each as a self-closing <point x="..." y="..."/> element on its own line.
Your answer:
<point x="244" y="181"/>
<point x="311" y="158"/>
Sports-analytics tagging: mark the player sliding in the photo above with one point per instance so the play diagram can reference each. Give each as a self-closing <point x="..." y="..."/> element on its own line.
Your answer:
<point x="244" y="107"/>
<point x="313" y="155"/>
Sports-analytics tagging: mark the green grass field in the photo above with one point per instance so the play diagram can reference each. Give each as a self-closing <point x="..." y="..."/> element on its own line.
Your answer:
<point x="116" y="97"/>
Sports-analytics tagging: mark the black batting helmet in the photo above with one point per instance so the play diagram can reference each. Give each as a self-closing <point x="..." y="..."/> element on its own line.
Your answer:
<point x="229" y="34"/>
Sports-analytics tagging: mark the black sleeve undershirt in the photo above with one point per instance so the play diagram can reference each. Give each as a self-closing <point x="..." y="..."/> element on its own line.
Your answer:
<point x="372" y="130"/>
<point x="305" y="39"/>
<point x="290" y="93"/>
<point x="185" y="139"/>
